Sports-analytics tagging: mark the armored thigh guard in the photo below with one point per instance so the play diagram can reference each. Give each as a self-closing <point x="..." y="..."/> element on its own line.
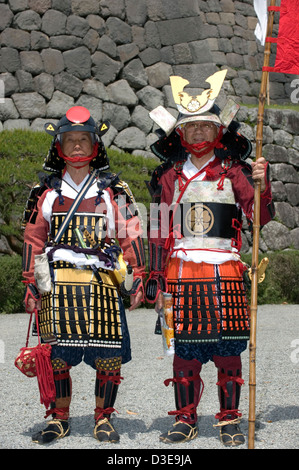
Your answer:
<point x="209" y="302"/>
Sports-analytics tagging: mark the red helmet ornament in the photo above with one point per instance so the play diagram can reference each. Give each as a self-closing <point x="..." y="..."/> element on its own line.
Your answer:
<point x="78" y="114"/>
<point x="77" y="118"/>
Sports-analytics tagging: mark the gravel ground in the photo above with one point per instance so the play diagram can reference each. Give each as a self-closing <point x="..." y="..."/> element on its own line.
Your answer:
<point x="143" y="401"/>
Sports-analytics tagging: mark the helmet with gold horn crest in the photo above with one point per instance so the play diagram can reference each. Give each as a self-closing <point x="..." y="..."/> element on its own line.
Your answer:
<point x="199" y="107"/>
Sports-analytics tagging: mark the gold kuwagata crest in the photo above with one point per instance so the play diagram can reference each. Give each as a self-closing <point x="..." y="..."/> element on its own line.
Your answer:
<point x="189" y="104"/>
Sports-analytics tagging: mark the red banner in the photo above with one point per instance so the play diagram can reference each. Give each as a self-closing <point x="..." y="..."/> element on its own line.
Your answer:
<point x="287" y="55"/>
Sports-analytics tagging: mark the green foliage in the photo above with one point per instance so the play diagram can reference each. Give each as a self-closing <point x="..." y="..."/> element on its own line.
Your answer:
<point x="24" y="143"/>
<point x="281" y="280"/>
<point x="135" y="170"/>
<point x="21" y="157"/>
<point x="11" y="287"/>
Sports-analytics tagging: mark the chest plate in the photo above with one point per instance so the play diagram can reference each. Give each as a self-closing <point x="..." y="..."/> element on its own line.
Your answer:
<point x="94" y="223"/>
<point x="205" y="215"/>
<point x="206" y="191"/>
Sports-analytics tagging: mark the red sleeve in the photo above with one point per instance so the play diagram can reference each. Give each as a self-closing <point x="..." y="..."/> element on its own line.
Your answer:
<point x="243" y="187"/>
<point x="35" y="236"/>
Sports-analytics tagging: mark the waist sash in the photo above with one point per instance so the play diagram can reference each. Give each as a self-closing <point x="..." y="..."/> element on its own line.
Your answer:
<point x="208" y="219"/>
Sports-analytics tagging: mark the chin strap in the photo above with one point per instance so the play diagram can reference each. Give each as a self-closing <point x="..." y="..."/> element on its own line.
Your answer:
<point x="85" y="160"/>
<point x="201" y="149"/>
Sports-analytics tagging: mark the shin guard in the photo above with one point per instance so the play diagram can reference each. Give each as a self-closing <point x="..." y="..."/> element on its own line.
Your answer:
<point x="63" y="386"/>
<point x="107" y="381"/>
<point x="229" y="386"/>
<point x="188" y="388"/>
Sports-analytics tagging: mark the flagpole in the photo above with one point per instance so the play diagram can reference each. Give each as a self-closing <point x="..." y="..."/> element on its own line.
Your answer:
<point x="255" y="247"/>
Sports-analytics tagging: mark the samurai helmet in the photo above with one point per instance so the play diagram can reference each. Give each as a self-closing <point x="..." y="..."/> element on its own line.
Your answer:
<point x="76" y="118"/>
<point x="200" y="107"/>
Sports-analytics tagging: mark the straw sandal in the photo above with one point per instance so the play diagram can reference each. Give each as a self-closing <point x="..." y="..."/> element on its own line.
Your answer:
<point x="230" y="433"/>
<point x="56" y="429"/>
<point x="182" y="432"/>
<point x="105" y="432"/>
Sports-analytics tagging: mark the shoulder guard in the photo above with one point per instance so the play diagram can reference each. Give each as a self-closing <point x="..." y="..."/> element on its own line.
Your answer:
<point x="124" y="191"/>
<point x="120" y="189"/>
<point x="118" y="186"/>
<point x="45" y="182"/>
<point x="106" y="180"/>
<point x="154" y="187"/>
<point x="234" y="146"/>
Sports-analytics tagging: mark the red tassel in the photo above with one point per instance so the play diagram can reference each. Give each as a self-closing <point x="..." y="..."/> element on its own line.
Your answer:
<point x="186" y="411"/>
<point x="44" y="374"/>
<point x="116" y="379"/>
<point x="221" y="182"/>
<point x="181" y="184"/>
<point x="101" y="412"/>
<point x="222" y="415"/>
<point x="224" y="378"/>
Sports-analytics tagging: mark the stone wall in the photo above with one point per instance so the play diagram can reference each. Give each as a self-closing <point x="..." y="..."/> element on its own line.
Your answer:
<point x="115" y="57"/>
<point x="281" y="149"/>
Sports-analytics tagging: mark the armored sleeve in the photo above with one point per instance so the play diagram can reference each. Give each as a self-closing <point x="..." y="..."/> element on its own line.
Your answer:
<point x="161" y="189"/>
<point x="35" y="236"/>
<point x="129" y="231"/>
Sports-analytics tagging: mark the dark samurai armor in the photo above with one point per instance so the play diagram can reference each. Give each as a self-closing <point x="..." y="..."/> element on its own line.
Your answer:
<point x="83" y="309"/>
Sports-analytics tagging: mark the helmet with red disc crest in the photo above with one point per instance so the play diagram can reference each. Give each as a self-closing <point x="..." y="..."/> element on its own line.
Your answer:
<point x="77" y="118"/>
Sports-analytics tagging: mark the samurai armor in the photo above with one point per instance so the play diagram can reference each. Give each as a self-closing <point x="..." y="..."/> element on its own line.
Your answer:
<point x="209" y="301"/>
<point x="80" y="311"/>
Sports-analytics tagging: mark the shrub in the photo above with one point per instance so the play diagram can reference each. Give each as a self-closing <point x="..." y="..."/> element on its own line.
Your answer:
<point x="135" y="170"/>
<point x="281" y="280"/>
<point x="11" y="287"/>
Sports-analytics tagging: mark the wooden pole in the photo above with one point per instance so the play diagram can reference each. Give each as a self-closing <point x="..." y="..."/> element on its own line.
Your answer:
<point x="255" y="247"/>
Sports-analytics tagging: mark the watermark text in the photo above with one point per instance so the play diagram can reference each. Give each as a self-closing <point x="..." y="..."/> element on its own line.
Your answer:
<point x="2" y="92"/>
<point x="2" y="351"/>
<point x="295" y="92"/>
<point x="295" y="353"/>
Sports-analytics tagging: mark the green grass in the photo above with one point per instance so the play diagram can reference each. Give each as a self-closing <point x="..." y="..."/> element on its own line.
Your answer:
<point x="291" y="107"/>
<point x="22" y="153"/>
<point x="135" y="170"/>
<point x="23" y="144"/>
